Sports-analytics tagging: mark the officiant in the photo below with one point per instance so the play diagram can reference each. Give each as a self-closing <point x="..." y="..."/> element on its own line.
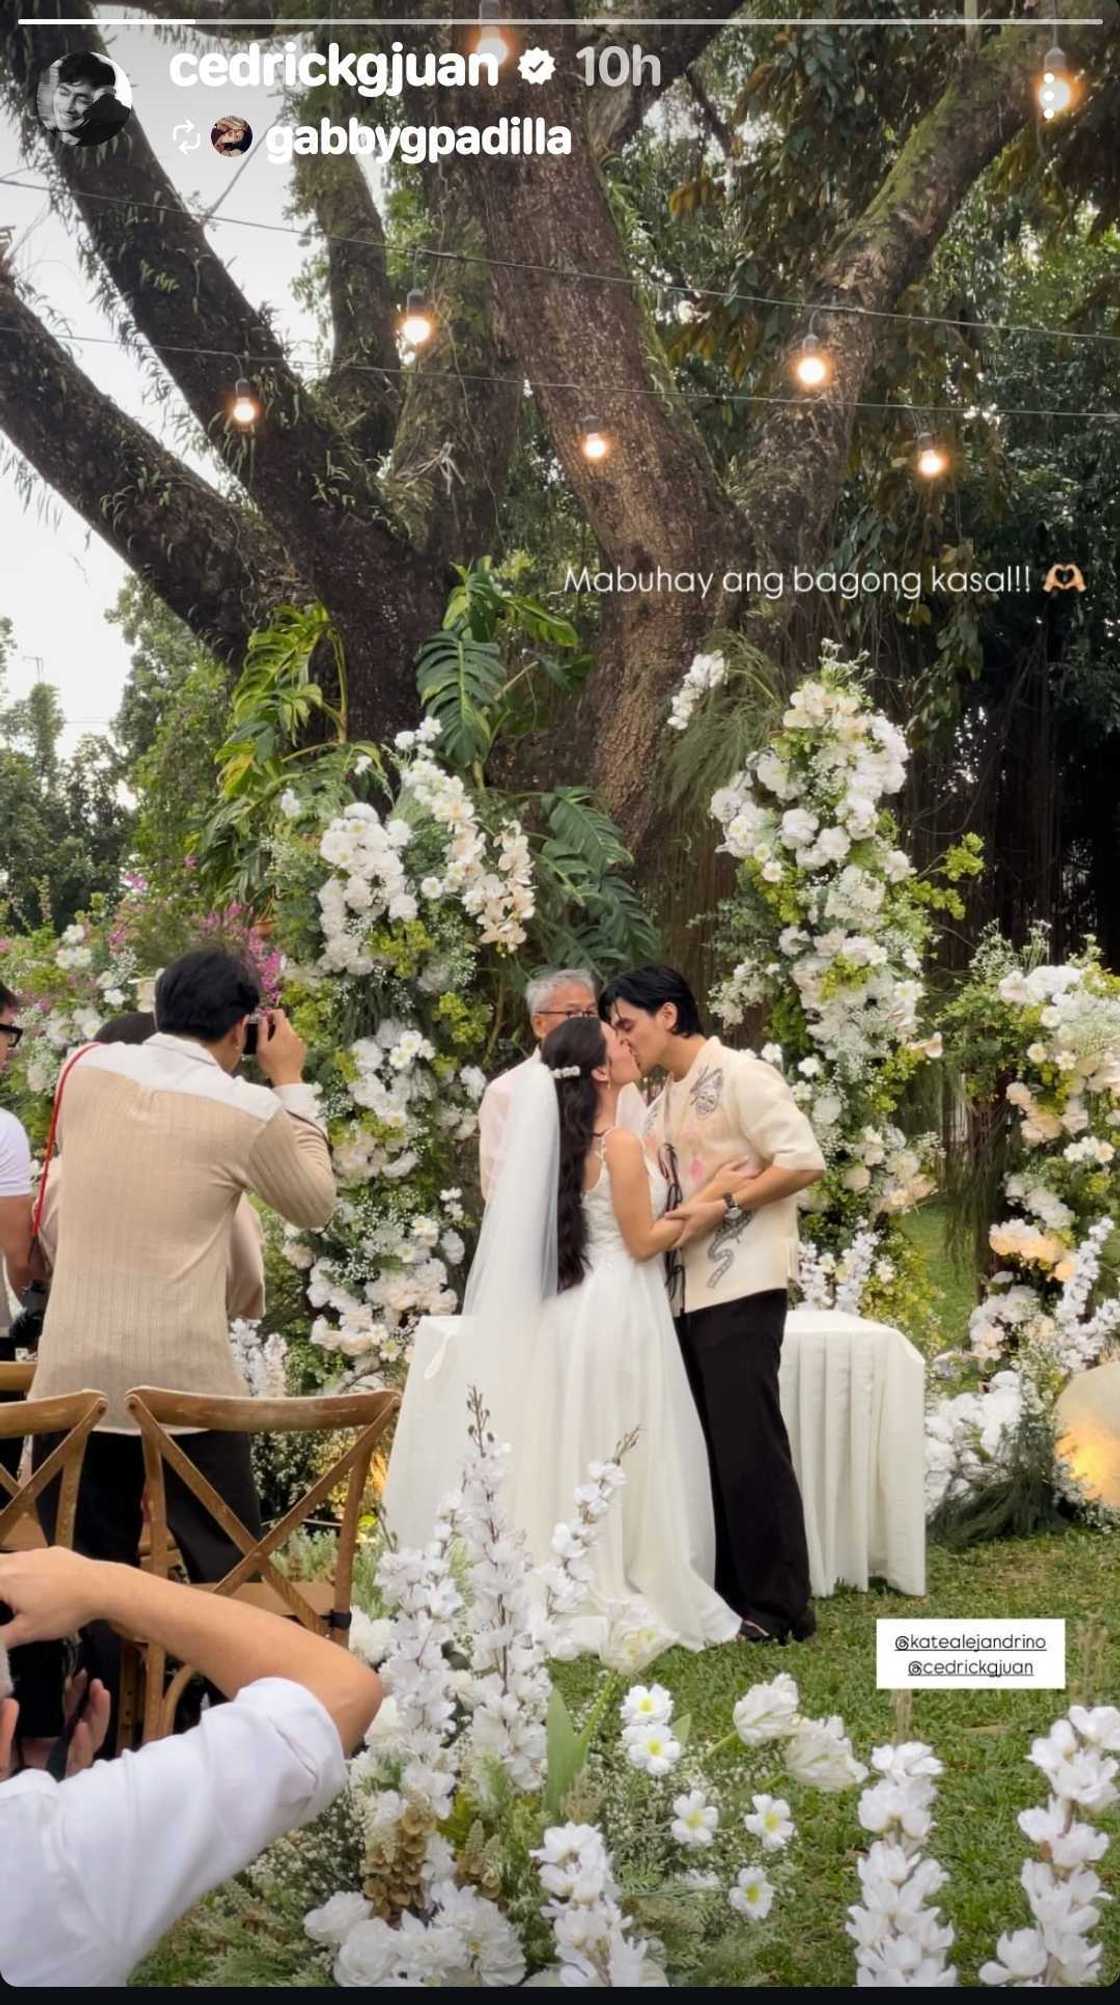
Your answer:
<point x="552" y="997"/>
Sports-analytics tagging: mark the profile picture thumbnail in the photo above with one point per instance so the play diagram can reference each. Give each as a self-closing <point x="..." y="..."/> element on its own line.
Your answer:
<point x="231" y="135"/>
<point x="83" y="98"/>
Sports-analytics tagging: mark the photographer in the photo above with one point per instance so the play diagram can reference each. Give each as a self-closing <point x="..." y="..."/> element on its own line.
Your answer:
<point x="245" y="1292"/>
<point x="98" y="1866"/>
<point x="160" y="1141"/>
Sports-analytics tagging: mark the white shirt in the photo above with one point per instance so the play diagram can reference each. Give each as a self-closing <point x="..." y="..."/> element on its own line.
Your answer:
<point x="493" y="1113"/>
<point x="15" y="1157"/>
<point x="94" y="1870"/>
<point x="15" y="1181"/>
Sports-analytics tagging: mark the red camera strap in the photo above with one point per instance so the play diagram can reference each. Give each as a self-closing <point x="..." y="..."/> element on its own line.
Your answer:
<point x="41" y="1196"/>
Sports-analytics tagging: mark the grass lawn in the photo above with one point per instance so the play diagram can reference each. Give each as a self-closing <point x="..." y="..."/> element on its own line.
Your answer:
<point x="926" y="1228"/>
<point x="981" y="1737"/>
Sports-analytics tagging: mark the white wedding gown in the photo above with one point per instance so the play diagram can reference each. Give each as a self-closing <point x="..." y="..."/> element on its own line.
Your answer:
<point x="604" y="1362"/>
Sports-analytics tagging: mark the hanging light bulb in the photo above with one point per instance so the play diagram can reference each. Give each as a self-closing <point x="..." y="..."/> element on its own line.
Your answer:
<point x="812" y="364"/>
<point x="594" y="444"/>
<point x="246" y="407"/>
<point x="932" y="460"/>
<point x="491" y="41"/>
<point x="417" y="324"/>
<point x="1055" y="89"/>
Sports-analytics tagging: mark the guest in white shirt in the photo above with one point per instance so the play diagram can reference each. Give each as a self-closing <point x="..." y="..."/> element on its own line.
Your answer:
<point x="551" y="998"/>
<point x="15" y="1174"/>
<point x="96" y="1868"/>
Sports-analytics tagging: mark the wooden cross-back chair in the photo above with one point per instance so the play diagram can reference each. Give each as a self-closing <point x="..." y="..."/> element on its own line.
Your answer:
<point x="74" y="1415"/>
<point x="320" y="1605"/>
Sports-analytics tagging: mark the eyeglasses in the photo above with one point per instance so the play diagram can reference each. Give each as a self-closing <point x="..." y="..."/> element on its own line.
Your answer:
<point x="13" y="1032"/>
<point x="589" y="1010"/>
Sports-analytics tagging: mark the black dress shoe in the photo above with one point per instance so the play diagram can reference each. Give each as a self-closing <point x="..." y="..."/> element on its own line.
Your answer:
<point x="753" y="1632"/>
<point x="806" y="1626"/>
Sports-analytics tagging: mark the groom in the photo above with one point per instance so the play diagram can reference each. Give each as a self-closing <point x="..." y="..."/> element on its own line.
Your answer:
<point x="729" y="1286"/>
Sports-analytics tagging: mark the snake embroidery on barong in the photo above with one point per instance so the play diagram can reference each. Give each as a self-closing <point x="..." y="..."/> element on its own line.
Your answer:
<point x="706" y="1092"/>
<point x="721" y="1246"/>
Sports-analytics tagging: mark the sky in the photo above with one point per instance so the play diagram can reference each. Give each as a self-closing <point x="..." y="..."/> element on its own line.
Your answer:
<point x="57" y="578"/>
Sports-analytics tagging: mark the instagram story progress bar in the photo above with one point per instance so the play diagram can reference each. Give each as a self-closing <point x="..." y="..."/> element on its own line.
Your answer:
<point x="966" y="20"/>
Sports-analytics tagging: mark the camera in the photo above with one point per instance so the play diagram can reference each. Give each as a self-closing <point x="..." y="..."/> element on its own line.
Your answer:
<point x="27" y="1325"/>
<point x="253" y="1028"/>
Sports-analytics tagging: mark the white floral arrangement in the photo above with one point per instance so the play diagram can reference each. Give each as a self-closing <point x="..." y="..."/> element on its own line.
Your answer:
<point x="970" y="1437"/>
<point x="705" y="672"/>
<point x="371" y="881"/>
<point x="1049" y="1310"/>
<point x="1064" y="1021"/>
<point x="476" y="1864"/>
<point x="101" y="982"/>
<point x="839" y="1280"/>
<point x="902" y="1941"/>
<point x="262" y="1361"/>
<point x="491" y="1837"/>
<point x="836" y="933"/>
<point x="416" y="894"/>
<point x="1077" y="1757"/>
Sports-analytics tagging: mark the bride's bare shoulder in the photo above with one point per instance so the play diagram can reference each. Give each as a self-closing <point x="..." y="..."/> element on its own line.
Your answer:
<point x="622" y="1147"/>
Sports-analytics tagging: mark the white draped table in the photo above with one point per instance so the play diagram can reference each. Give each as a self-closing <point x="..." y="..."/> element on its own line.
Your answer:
<point x="853" y="1398"/>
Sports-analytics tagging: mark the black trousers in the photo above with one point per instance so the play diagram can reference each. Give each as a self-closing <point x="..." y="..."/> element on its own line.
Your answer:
<point x="37" y="1668"/>
<point x="109" y="1519"/>
<point x="9" y="1450"/>
<point x="732" y="1352"/>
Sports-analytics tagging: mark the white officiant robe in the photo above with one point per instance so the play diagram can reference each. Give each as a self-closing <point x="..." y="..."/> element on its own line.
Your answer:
<point x="493" y="1113"/>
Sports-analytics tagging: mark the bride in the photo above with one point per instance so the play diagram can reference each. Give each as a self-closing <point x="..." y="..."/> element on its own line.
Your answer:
<point x="566" y="1331"/>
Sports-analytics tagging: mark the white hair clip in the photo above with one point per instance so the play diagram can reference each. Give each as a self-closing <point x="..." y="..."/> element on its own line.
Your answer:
<point x="566" y="1071"/>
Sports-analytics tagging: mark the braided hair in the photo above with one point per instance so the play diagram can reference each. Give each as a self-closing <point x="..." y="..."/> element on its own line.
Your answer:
<point x="578" y="1042"/>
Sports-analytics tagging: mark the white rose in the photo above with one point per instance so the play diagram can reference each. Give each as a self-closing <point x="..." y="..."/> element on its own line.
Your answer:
<point x="333" y="1922"/>
<point x="820" y="1755"/>
<point x="767" y="1712"/>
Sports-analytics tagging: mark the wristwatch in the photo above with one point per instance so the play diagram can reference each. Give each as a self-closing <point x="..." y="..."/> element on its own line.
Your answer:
<point x="732" y="1213"/>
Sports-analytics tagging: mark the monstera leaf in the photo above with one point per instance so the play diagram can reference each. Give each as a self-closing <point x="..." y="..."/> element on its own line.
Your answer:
<point x="460" y="680"/>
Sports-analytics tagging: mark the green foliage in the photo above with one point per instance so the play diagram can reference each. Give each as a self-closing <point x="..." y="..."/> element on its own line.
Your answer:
<point x="587" y="909"/>
<point x="1019" y="1504"/>
<point x="566" y="1756"/>
<point x="486" y="674"/>
<point x="65" y="830"/>
<point x="461" y="680"/>
<point x="498" y="664"/>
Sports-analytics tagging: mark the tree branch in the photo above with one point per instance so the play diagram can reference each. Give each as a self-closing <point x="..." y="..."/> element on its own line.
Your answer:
<point x="720" y="131"/>
<point x="213" y="564"/>
<point x="801" y="449"/>
<point x="363" y="318"/>
<point x="615" y="114"/>
<point x="298" y="468"/>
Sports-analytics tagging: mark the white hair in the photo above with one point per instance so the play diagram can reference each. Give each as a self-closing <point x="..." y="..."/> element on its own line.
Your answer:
<point x="543" y="987"/>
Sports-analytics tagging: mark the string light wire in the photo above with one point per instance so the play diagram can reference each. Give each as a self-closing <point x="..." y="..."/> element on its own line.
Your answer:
<point x="595" y="389"/>
<point x="576" y="275"/>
